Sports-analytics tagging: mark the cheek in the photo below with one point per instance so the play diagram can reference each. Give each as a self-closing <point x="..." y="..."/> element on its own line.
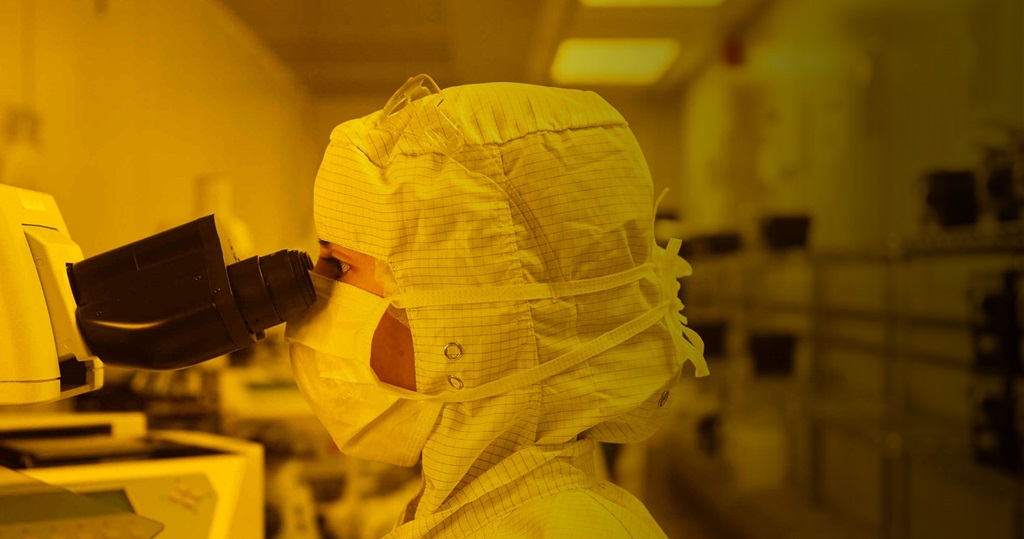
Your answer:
<point x="391" y="354"/>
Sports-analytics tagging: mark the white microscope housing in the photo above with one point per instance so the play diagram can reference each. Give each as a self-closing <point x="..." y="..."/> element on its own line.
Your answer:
<point x="43" y="357"/>
<point x="169" y="301"/>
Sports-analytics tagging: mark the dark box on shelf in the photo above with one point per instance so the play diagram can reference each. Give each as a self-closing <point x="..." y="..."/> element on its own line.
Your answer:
<point x="773" y="353"/>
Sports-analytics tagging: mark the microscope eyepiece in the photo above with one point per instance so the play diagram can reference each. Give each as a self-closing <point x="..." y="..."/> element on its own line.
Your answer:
<point x="169" y="301"/>
<point x="271" y="289"/>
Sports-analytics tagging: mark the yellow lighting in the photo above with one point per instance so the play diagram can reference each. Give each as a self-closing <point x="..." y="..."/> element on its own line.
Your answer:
<point x="613" y="61"/>
<point x="651" y="3"/>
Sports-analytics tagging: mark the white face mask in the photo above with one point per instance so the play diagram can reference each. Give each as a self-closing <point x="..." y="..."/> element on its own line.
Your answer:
<point x="330" y="352"/>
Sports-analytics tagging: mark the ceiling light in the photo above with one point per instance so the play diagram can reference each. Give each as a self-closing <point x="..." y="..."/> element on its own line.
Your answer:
<point x="651" y="3"/>
<point x="613" y="61"/>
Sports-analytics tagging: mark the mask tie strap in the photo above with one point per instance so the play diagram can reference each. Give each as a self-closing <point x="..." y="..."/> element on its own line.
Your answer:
<point x="670" y="268"/>
<point x="561" y="363"/>
<point x="545" y="370"/>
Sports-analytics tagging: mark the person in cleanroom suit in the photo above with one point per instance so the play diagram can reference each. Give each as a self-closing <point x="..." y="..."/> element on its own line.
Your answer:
<point x="492" y="303"/>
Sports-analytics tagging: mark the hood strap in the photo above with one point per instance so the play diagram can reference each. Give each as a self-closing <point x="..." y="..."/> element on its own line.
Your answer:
<point x="561" y="363"/>
<point x="522" y="292"/>
<point x="671" y="267"/>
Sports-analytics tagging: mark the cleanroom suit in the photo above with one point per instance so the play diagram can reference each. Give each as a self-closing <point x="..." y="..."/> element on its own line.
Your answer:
<point x="517" y="224"/>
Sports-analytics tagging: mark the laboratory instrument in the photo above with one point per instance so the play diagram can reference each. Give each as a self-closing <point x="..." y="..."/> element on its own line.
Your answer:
<point x="168" y="301"/>
<point x="195" y="484"/>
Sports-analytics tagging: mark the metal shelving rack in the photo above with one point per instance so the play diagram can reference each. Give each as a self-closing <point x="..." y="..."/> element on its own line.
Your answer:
<point x="904" y="438"/>
<point x="920" y="442"/>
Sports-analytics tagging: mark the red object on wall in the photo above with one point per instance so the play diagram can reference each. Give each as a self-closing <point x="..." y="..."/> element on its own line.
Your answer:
<point x="733" y="52"/>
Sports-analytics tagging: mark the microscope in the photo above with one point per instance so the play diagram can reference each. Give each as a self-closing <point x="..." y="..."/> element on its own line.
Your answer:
<point x="168" y="301"/>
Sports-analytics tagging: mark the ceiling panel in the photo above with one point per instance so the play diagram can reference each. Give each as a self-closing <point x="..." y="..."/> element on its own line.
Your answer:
<point x="342" y="48"/>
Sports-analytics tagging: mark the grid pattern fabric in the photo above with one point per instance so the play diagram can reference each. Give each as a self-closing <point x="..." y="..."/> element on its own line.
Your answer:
<point x="505" y="184"/>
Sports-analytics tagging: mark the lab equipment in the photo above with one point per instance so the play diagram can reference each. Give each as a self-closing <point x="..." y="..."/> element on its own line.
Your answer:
<point x="952" y="197"/>
<point x="42" y="354"/>
<point x="31" y="509"/>
<point x="194" y="484"/>
<point x="719" y="244"/>
<point x="168" y="301"/>
<point x="997" y="433"/>
<point x="714" y="333"/>
<point x="773" y="353"/>
<point x="781" y="232"/>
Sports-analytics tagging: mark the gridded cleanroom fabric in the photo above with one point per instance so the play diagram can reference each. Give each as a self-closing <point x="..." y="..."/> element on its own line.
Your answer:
<point x="504" y="184"/>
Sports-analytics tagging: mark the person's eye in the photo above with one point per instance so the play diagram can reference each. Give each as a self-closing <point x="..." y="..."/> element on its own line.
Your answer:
<point x="332" y="267"/>
<point x="335" y="263"/>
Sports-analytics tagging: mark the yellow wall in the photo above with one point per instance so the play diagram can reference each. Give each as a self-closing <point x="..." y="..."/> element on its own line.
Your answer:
<point x="329" y="112"/>
<point x="838" y="110"/>
<point x="136" y="99"/>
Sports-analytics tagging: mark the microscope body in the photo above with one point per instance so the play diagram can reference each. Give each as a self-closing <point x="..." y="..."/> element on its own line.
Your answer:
<point x="43" y="356"/>
<point x="169" y="301"/>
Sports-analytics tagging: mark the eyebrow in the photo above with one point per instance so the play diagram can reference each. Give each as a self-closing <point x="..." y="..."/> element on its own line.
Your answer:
<point x="324" y="243"/>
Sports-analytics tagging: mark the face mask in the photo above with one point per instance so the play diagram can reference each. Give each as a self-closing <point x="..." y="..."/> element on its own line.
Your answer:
<point x="330" y="352"/>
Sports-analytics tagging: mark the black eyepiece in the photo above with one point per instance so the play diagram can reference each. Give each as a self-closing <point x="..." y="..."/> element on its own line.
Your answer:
<point x="271" y="289"/>
<point x="169" y="301"/>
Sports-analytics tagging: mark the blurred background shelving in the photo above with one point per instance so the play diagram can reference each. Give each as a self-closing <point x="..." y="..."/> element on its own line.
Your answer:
<point x="876" y="428"/>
